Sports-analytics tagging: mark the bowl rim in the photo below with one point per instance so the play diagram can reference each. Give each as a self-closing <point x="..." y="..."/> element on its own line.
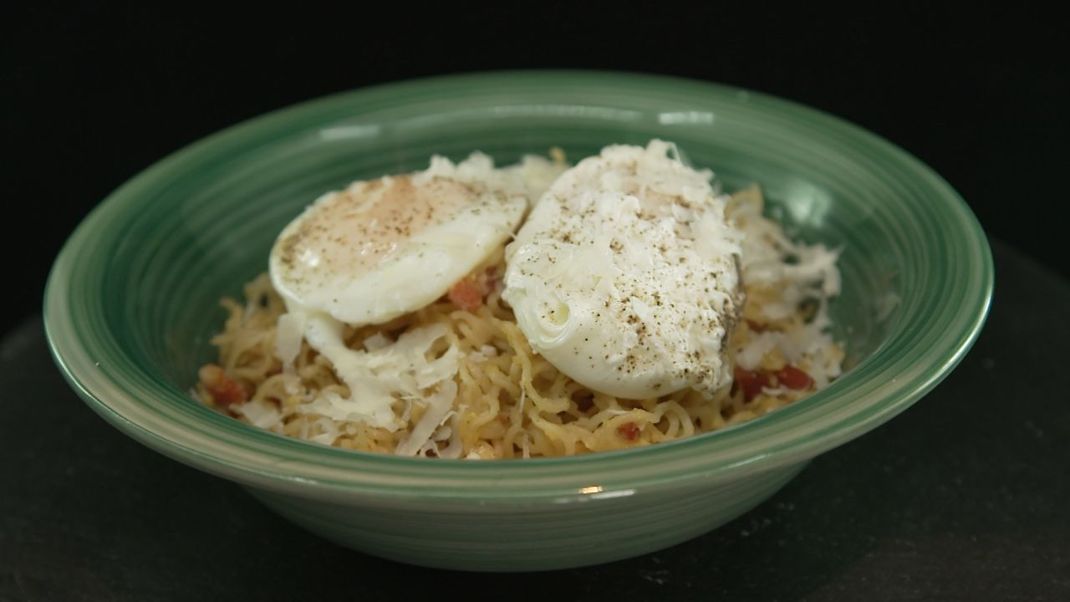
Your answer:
<point x="788" y="436"/>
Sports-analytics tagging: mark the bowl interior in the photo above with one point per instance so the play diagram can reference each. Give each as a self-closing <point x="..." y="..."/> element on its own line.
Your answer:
<point x="206" y="234"/>
<point x="137" y="289"/>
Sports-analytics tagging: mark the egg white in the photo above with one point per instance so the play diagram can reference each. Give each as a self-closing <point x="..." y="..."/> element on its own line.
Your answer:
<point x="625" y="276"/>
<point x="380" y="249"/>
<point x="386" y="247"/>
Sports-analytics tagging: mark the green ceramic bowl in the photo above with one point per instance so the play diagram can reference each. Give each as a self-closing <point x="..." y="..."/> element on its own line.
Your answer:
<point x="133" y="299"/>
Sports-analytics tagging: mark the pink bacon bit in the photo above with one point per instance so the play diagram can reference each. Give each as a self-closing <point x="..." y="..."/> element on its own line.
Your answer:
<point x="468" y="293"/>
<point x="629" y="431"/>
<point x="224" y="390"/>
<point x="794" y="378"/>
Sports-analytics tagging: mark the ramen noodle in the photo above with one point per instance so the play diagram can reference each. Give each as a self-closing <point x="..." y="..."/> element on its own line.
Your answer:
<point x="508" y="401"/>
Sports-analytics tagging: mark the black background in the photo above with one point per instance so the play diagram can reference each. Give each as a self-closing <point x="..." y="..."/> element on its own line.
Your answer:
<point x="92" y="94"/>
<point x="959" y="499"/>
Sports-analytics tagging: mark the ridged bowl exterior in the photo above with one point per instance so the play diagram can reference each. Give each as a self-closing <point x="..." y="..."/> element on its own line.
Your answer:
<point x="537" y="535"/>
<point x="133" y="299"/>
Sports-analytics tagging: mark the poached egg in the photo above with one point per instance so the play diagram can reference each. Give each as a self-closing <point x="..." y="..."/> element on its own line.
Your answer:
<point x="386" y="247"/>
<point x="380" y="249"/>
<point x="625" y="276"/>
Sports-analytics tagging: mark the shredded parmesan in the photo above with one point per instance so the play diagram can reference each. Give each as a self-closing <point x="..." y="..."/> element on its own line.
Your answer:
<point x="451" y="382"/>
<point x="438" y="406"/>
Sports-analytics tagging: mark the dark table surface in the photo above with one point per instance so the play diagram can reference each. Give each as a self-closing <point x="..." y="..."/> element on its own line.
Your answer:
<point x="966" y="496"/>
